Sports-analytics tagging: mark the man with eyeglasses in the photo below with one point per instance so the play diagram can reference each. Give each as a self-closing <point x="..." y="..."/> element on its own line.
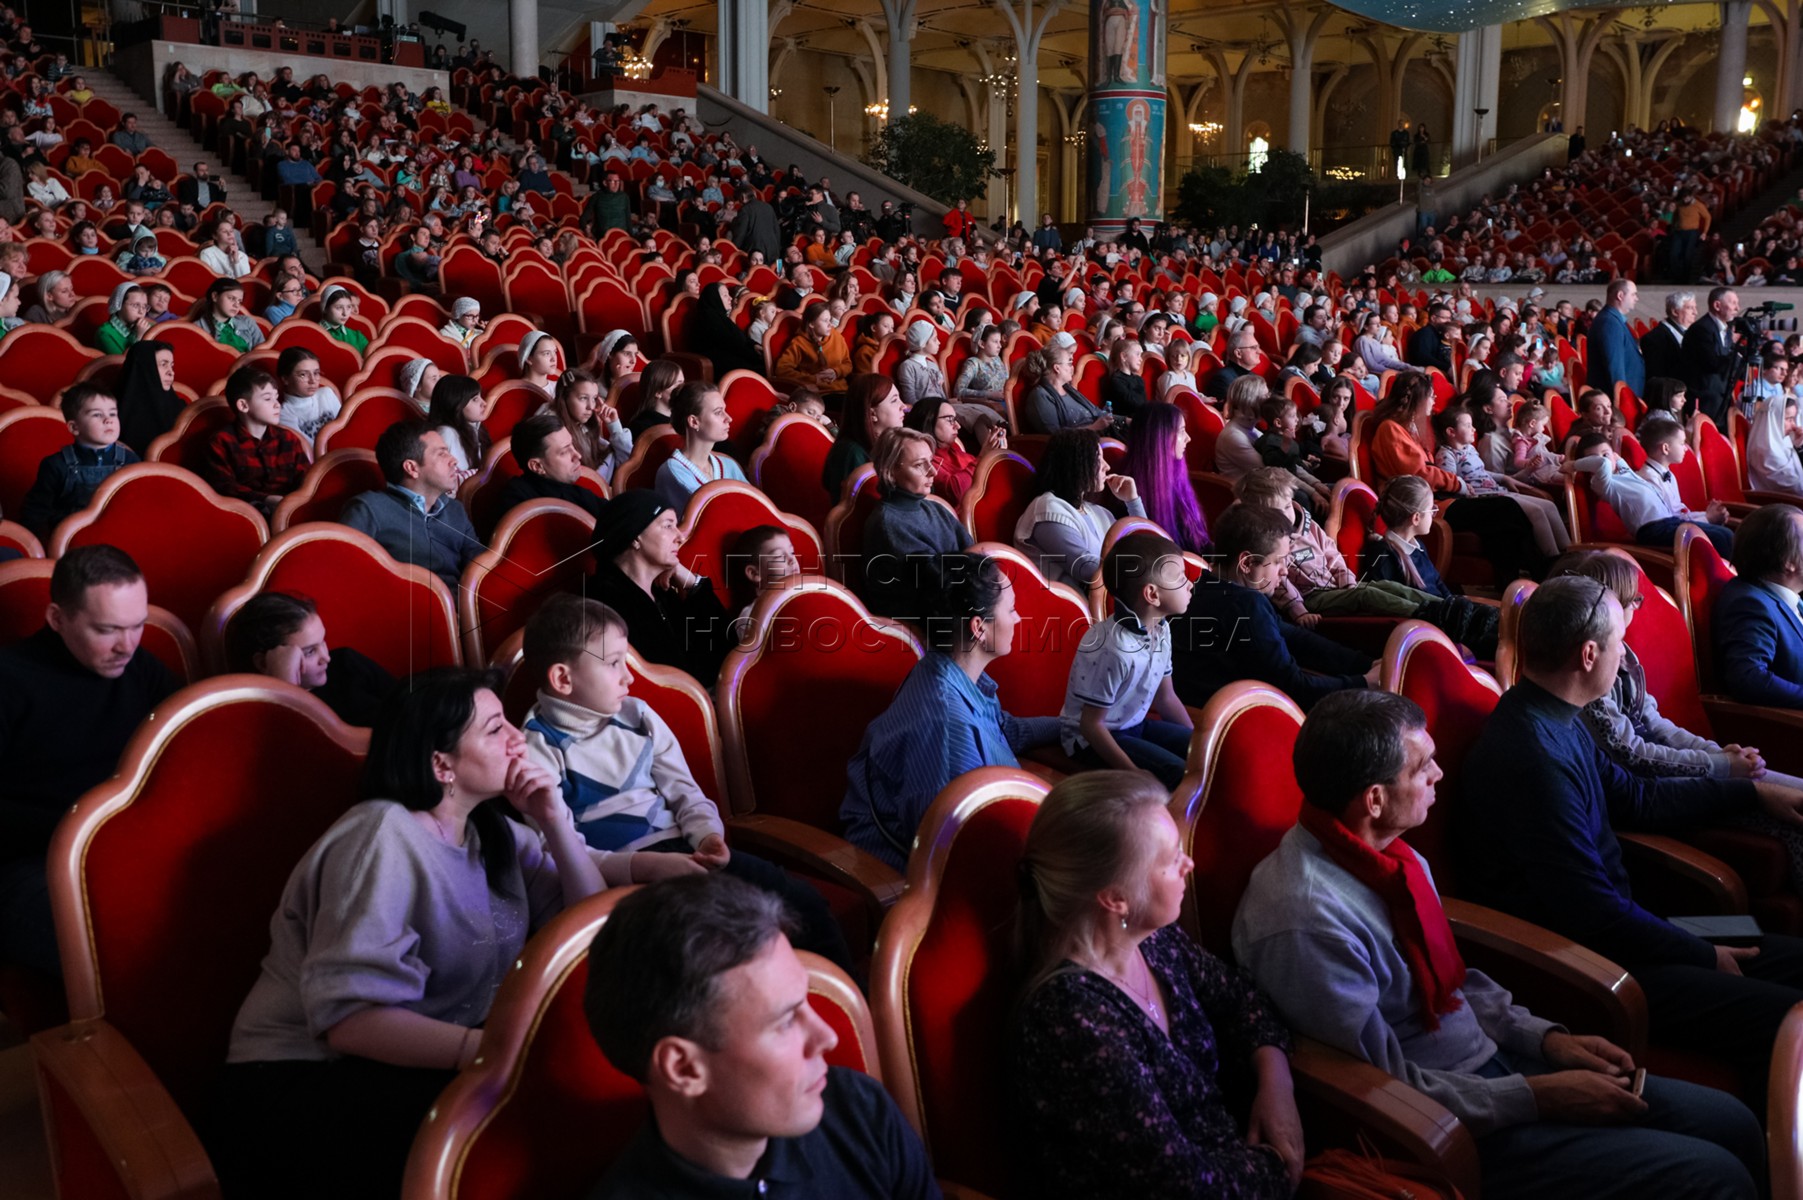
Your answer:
<point x="1242" y="359"/>
<point x="1534" y="834"/>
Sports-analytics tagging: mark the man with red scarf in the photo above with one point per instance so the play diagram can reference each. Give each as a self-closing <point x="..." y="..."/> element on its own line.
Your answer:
<point x="1342" y="927"/>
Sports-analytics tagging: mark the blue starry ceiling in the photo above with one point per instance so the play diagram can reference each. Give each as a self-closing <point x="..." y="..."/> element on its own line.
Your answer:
<point x="1457" y="16"/>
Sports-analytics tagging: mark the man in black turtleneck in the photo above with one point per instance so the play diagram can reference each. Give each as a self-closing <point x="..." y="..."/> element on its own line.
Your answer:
<point x="71" y="695"/>
<point x="550" y="465"/>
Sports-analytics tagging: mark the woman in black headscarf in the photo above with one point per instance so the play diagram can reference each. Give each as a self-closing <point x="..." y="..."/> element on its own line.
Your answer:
<point x="148" y="401"/>
<point x="713" y="332"/>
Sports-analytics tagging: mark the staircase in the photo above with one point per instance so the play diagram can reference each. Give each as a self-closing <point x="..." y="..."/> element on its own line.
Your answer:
<point x="186" y="149"/>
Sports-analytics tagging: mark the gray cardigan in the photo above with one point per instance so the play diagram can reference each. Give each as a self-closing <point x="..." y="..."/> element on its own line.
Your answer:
<point x="1320" y="943"/>
<point x="442" y="541"/>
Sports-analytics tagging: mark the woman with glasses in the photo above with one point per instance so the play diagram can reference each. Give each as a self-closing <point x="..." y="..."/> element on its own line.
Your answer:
<point x="290" y="293"/>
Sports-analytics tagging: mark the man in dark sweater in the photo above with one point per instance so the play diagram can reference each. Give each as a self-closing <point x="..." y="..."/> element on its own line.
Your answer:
<point x="71" y="696"/>
<point x="1429" y="346"/>
<point x="1535" y="837"/>
<point x="417" y="518"/>
<point x="1232" y="630"/>
<point x="550" y="466"/>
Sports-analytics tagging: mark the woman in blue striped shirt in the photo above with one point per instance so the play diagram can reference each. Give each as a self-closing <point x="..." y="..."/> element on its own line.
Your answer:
<point x="945" y="720"/>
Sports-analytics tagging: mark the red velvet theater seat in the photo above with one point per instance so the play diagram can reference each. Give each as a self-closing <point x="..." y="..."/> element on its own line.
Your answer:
<point x="27" y="437"/>
<point x="162" y="882"/>
<point x="1030" y="679"/>
<point x="1000" y="491"/>
<point x="398" y="614"/>
<point x="721" y="511"/>
<point x="540" y="547"/>
<point x="787" y="467"/>
<point x="331" y="483"/>
<point x="364" y="416"/>
<point x="542" y="1113"/>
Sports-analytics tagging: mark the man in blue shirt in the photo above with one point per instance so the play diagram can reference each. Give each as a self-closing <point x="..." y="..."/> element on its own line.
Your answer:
<point x="1535" y="837"/>
<point x="694" y="991"/>
<point x="295" y="171"/>
<point x="417" y="517"/>
<point x="1614" y="354"/>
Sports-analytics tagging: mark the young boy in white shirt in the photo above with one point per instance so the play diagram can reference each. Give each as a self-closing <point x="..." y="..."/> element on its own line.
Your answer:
<point x="1648" y="500"/>
<point x="1123" y="667"/>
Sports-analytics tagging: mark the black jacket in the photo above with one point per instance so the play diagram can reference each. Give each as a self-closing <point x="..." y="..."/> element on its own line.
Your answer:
<point x="1663" y="349"/>
<point x="1233" y="632"/>
<point x="1708" y="368"/>
<point x="532" y="486"/>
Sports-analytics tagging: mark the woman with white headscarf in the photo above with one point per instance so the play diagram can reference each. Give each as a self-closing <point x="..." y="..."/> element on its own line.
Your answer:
<point x="541" y="360"/>
<point x="9" y="304"/>
<point x="1772" y="464"/>
<point x="127" y="320"/>
<point x="465" y="322"/>
<point x="417" y="377"/>
<point x="918" y="375"/>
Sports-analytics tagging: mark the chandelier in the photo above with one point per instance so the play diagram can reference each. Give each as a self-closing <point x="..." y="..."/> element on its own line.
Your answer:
<point x="635" y="66"/>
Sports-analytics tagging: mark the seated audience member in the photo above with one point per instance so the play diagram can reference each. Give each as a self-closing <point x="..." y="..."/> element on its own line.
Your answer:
<point x="1458" y="455"/>
<point x="1754" y="626"/>
<point x="256" y="458"/>
<point x="287" y="296"/>
<point x="1054" y="403"/>
<point x="148" y="401"/>
<point x="337" y="305"/>
<point x="85" y="663"/>
<point x="56" y="299"/>
<point x="757" y="562"/>
<point x="672" y="615"/>
<point x="457" y="411"/>
<point x="658" y="384"/>
<point x="945" y="718"/>
<point x="1534" y="834"/>
<point x="816" y="357"/>
<point x="1127" y="1034"/>
<point x="1124" y="387"/>
<point x="694" y="990"/>
<point x="1647" y="500"/>
<point x="222" y="315"/>
<point x="307" y="401"/>
<point x="67" y="480"/>
<point x="417" y="518"/>
<point x="602" y="442"/>
<point x="871" y="405"/>
<point x="1343" y="929"/>
<point x="908" y="530"/>
<point x="549" y="467"/>
<point x="1236" y="449"/>
<point x="1630" y="729"/>
<point x="1317" y="572"/>
<point x="1122" y="669"/>
<point x="1061" y="529"/>
<point x="698" y="413"/>
<point x="128" y="320"/>
<point x="224" y="254"/>
<point x="1772" y="463"/>
<point x="1155" y="461"/>
<point x="623" y="773"/>
<point x="1233" y="631"/>
<point x="1243" y="355"/>
<point x="418" y="379"/>
<point x="954" y="467"/>
<point x="281" y="635"/>
<point x="983" y="377"/>
<point x="466" y="321"/>
<point x="917" y="375"/>
<point x="1280" y="446"/>
<point x="393" y="933"/>
<point x="1408" y="510"/>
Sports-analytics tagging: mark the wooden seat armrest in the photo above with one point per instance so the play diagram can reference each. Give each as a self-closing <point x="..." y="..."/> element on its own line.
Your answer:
<point x="111" y="1124"/>
<point x="1342" y="1098"/>
<point x="1776" y="732"/>
<point x="1784" y="1109"/>
<point x="1758" y="500"/>
<point x="1552" y="976"/>
<point x="831" y="857"/>
<point x="1676" y="880"/>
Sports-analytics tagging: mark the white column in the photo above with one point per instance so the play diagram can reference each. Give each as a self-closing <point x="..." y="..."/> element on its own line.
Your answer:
<point x="899" y="15"/>
<point x="522" y="45"/>
<point x="997" y="137"/>
<point x="1731" y="64"/>
<point x="743" y="45"/>
<point x="1026" y="144"/>
<point x="1476" y="80"/>
<point x="1301" y="76"/>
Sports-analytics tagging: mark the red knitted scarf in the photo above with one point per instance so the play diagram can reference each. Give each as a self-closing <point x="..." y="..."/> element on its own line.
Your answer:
<point x="1422" y="930"/>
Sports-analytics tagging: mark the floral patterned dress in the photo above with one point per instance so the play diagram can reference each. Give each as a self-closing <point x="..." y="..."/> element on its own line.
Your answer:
<point x="1107" y="1105"/>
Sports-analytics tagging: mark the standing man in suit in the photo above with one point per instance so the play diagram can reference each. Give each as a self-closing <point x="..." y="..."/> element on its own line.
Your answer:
<point x="1757" y="625"/>
<point x="1709" y="362"/>
<point x="1614" y="355"/>
<point x="1661" y="347"/>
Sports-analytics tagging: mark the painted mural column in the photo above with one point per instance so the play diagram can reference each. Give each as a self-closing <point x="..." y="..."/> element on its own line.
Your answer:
<point x="1126" y="115"/>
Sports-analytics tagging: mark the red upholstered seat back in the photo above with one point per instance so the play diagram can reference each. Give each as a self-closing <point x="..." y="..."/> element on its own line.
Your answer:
<point x="185" y="445"/>
<point x="27" y="437"/>
<point x="1030" y="681"/>
<point x="721" y="511"/>
<point x="1236" y="802"/>
<point x="609" y="304"/>
<point x="1721" y="469"/>
<point x="42" y="360"/>
<point x="845" y="527"/>
<point x="465" y="271"/>
<point x="533" y="288"/>
<point x="544" y="1113"/>
<point x="1692" y="488"/>
<point x="398" y="615"/>
<point x="363" y="419"/>
<point x="749" y="399"/>
<point x="1204" y="424"/>
<point x="814" y="659"/>
<point x="1358" y="520"/>
<point x="190" y="542"/>
<point x="175" y="867"/>
<point x="539" y="548"/>
<point x="1701" y="574"/>
<point x="960" y="987"/>
<point x="1661" y="640"/>
<point x="201" y="361"/>
<point x="688" y="710"/>
<point x="24" y="594"/>
<point x="787" y="468"/>
<point x="640" y="471"/>
<point x="337" y="361"/>
<point x="1595" y="520"/>
<point x="330" y="483"/>
<point x="509" y="404"/>
<point x="1421" y="664"/>
<point x="999" y="493"/>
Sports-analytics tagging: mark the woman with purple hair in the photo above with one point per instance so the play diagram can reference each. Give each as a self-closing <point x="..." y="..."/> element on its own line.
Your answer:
<point x="1155" y="447"/>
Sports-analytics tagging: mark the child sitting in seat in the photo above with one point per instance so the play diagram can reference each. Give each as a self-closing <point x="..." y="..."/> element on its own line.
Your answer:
<point x="623" y="772"/>
<point x="1278" y="447"/>
<point x="762" y="318"/>
<point x="760" y="559"/>
<point x="1123" y="667"/>
<point x="1407" y="508"/>
<point x="68" y="479"/>
<point x="256" y="459"/>
<point x="1532" y="458"/>
<point x="1458" y="456"/>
